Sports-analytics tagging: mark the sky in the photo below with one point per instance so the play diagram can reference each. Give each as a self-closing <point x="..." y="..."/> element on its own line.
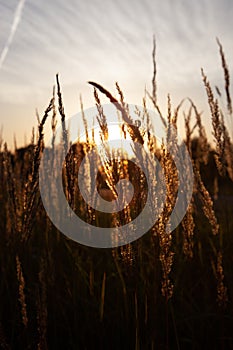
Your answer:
<point x="106" y="41"/>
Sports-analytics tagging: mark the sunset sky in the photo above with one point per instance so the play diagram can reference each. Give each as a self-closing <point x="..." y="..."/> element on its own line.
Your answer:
<point x="106" y="41"/>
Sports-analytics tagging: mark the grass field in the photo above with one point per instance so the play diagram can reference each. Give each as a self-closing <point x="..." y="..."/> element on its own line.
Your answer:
<point x="162" y="291"/>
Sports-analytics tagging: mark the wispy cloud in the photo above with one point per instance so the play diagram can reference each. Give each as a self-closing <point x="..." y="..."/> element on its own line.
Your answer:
<point x="106" y="41"/>
<point x="17" y="18"/>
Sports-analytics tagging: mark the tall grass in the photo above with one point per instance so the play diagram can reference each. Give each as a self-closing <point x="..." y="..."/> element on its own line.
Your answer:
<point x="163" y="291"/>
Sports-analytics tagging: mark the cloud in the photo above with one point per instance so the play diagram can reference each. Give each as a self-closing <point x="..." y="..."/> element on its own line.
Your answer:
<point x="17" y="18"/>
<point x="108" y="41"/>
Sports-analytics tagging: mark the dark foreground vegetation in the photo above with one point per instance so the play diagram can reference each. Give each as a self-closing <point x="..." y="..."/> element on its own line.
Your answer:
<point x="160" y="292"/>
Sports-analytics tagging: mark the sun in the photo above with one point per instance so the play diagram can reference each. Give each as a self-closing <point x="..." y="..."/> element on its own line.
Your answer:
<point x="117" y="138"/>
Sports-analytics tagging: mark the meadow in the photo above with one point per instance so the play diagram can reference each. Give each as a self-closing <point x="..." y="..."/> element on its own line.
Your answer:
<point x="162" y="291"/>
